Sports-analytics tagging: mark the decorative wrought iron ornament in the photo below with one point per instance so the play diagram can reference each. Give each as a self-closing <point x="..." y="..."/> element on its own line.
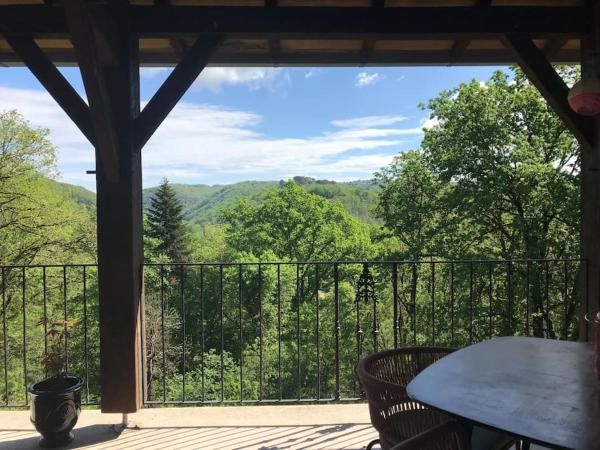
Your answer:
<point x="365" y="286"/>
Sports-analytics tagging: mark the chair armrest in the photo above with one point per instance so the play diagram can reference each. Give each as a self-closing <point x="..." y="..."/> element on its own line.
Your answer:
<point x="447" y="430"/>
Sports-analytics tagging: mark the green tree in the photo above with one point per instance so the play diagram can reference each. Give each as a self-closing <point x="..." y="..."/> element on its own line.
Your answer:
<point x="295" y="225"/>
<point x="166" y="226"/>
<point x="511" y="163"/>
<point x="497" y="177"/>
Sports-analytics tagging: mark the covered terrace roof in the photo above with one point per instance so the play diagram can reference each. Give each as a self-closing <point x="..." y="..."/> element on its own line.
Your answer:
<point x="321" y="32"/>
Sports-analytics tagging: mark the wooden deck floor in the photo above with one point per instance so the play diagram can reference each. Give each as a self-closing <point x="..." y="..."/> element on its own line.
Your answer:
<point x="241" y="428"/>
<point x="248" y="427"/>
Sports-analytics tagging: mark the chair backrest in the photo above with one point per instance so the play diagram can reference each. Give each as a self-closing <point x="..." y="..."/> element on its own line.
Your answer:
<point x="384" y="377"/>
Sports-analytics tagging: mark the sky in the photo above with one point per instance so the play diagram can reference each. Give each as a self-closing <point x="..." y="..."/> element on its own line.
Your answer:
<point x="237" y="124"/>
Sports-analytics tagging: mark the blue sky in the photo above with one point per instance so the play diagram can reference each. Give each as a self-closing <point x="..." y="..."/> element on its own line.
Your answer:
<point x="239" y="124"/>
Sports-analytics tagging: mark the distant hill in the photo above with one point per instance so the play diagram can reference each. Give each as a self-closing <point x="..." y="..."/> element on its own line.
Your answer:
<point x="202" y="203"/>
<point x="77" y="193"/>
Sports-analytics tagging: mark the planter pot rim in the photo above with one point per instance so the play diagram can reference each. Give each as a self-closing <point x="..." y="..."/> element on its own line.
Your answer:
<point x="77" y="383"/>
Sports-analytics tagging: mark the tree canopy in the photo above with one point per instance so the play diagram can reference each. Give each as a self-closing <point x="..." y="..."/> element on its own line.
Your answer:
<point x="496" y="176"/>
<point x="294" y="225"/>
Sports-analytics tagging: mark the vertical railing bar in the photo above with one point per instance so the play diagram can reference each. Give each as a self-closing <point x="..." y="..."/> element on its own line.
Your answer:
<point x="146" y="395"/>
<point x="279" y="330"/>
<point x="395" y="299"/>
<point x="4" y="335"/>
<point x="45" y="302"/>
<point x="566" y="299"/>
<point x="260" y="331"/>
<point x="317" y="283"/>
<point x="510" y="297"/>
<point x="336" y="282"/>
<point x="85" y="337"/>
<point x="471" y="300"/>
<point x="66" y="339"/>
<point x="528" y="299"/>
<point x="491" y="300"/>
<point x="202" y="331"/>
<point x="183" y="358"/>
<point x="414" y="301"/>
<point x="452" y="330"/>
<point x="23" y="287"/>
<point x="433" y="303"/>
<point x="587" y="298"/>
<point x="162" y="322"/>
<point x="359" y="331"/>
<point x="298" y="366"/>
<point x="375" y="322"/>
<point x="241" y="335"/>
<point x="547" y="294"/>
<point x="222" y="332"/>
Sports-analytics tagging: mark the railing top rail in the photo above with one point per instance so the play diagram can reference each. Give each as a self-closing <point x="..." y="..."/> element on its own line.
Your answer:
<point x="41" y="266"/>
<point x="344" y="261"/>
<point x="371" y="262"/>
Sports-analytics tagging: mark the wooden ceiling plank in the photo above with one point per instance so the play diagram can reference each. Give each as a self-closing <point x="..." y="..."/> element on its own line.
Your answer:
<point x="176" y="84"/>
<point x="55" y="83"/>
<point x="92" y="74"/>
<point x="542" y="75"/>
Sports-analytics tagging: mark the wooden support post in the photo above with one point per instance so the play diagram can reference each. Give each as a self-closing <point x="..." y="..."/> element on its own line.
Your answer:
<point x="110" y="70"/>
<point x="54" y="82"/>
<point x="167" y="96"/>
<point x="542" y="75"/>
<point x="590" y="191"/>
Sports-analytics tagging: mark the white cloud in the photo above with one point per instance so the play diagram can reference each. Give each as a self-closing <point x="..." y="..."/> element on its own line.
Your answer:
<point x="151" y="72"/>
<point x="365" y="79"/>
<point x="429" y="122"/>
<point x="214" y="78"/>
<point x="368" y="121"/>
<point x="41" y="110"/>
<point x="311" y="73"/>
<point x="198" y="141"/>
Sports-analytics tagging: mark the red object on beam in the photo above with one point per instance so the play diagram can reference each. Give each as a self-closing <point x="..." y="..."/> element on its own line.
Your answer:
<point x="584" y="97"/>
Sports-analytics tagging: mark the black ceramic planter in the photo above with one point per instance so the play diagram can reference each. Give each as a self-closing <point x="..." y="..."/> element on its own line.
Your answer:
<point x="55" y="408"/>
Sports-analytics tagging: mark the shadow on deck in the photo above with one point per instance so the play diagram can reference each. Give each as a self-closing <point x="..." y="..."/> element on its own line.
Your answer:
<point x="247" y="428"/>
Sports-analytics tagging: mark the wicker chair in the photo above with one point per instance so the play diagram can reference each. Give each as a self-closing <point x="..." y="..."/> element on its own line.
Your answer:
<point x="405" y="424"/>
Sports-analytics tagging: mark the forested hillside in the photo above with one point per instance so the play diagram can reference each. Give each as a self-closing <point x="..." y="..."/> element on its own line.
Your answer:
<point x="203" y="203"/>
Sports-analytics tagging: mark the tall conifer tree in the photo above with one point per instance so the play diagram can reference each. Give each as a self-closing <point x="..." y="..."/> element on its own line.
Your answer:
<point x="166" y="226"/>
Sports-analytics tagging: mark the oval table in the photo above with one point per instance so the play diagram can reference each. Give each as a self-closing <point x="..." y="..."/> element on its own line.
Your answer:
<point x="539" y="390"/>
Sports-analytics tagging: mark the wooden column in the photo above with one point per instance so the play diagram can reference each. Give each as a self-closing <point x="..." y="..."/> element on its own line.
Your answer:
<point x="590" y="188"/>
<point x="120" y="246"/>
<point x="120" y="243"/>
<point x="107" y="53"/>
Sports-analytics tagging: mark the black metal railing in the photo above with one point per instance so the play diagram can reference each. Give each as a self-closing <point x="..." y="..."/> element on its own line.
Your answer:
<point x="279" y="331"/>
<point x="294" y="332"/>
<point x="67" y="296"/>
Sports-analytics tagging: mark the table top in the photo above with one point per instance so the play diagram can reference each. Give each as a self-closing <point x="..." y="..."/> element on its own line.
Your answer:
<point x="542" y="390"/>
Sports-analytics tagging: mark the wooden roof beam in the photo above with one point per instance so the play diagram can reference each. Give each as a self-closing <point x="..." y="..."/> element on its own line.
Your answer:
<point x="176" y="84"/>
<point x="328" y="22"/>
<point x="553" y="46"/>
<point x="55" y="83"/>
<point x="458" y="50"/>
<point x="542" y="75"/>
<point x="324" y="22"/>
